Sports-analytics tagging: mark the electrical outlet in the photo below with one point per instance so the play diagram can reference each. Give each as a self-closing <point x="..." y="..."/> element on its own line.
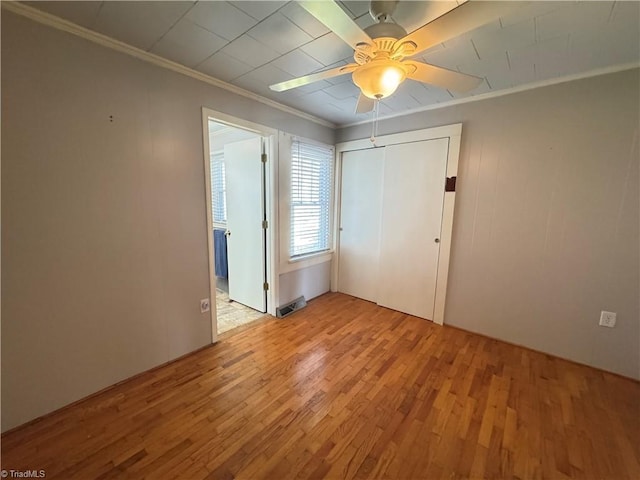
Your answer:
<point x="607" y="319"/>
<point x="204" y="305"/>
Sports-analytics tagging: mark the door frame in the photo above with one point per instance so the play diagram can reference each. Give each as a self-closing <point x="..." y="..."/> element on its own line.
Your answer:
<point x="453" y="133"/>
<point x="270" y="192"/>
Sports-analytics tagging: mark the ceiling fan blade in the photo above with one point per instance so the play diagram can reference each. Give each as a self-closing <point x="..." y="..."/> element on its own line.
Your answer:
<point x="314" y="77"/>
<point x="330" y="13"/>
<point x="441" y="77"/>
<point x="365" y="104"/>
<point x="468" y="16"/>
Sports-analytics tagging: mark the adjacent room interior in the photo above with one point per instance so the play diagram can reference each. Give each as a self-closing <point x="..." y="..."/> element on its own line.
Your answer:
<point x="238" y="301"/>
<point x="339" y="239"/>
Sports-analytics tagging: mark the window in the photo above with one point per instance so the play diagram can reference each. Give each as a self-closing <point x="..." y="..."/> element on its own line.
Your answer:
<point x="218" y="200"/>
<point x="311" y="193"/>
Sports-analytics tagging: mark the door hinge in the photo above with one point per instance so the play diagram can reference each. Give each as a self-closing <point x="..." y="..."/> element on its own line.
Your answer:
<point x="265" y="286"/>
<point x="450" y="185"/>
<point x="265" y="224"/>
<point x="263" y="158"/>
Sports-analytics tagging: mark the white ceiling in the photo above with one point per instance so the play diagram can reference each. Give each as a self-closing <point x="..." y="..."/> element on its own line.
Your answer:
<point x="252" y="44"/>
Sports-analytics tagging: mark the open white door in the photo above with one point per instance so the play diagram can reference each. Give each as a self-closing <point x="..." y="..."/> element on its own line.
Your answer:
<point x="245" y="213"/>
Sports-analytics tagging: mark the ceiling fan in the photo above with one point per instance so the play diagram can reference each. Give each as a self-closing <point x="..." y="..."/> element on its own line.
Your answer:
<point x="382" y="51"/>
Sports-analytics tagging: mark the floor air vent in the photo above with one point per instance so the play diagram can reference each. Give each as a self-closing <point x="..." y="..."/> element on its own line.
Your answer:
<point x="291" y="307"/>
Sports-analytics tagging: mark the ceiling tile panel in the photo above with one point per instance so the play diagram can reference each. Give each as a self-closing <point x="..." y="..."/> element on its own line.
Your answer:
<point x="140" y="24"/>
<point x="297" y="63"/>
<point x="439" y="94"/>
<point x="531" y="10"/>
<point x="341" y="112"/>
<point x="413" y="15"/>
<point x="575" y="17"/>
<point x="401" y="100"/>
<point x="221" y="18"/>
<point x="482" y="88"/>
<point x="485" y="29"/>
<point x="496" y="64"/>
<point x="488" y="43"/>
<point x="250" y="51"/>
<point x="363" y="21"/>
<point x="303" y="19"/>
<point x="322" y="98"/>
<point x="355" y="8"/>
<point x="419" y="92"/>
<point x="328" y="49"/>
<point x="552" y="48"/>
<point x="259" y="9"/>
<point x="258" y="80"/>
<point x="279" y="33"/>
<point x="450" y="57"/>
<point x="513" y="76"/>
<point x="222" y="66"/>
<point x="188" y="43"/>
<point x="522" y="74"/>
<point x="343" y="90"/>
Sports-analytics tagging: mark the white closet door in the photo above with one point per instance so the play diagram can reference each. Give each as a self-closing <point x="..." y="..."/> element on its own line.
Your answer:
<point x="360" y="206"/>
<point x="414" y="179"/>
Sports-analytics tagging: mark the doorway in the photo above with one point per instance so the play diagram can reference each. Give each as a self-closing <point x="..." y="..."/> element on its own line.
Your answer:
<point x="237" y="222"/>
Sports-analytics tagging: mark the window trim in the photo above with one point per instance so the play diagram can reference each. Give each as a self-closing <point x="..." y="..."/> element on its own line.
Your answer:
<point x="287" y="263"/>
<point x="323" y="203"/>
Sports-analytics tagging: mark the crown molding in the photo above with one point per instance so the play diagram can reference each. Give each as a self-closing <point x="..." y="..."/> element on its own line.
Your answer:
<point x="508" y="91"/>
<point x="105" y="41"/>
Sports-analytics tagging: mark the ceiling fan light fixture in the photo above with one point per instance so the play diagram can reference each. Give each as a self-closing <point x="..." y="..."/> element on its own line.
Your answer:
<point x="379" y="78"/>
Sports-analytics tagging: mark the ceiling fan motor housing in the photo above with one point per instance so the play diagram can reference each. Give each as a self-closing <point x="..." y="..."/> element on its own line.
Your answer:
<point x="380" y="10"/>
<point x="385" y="29"/>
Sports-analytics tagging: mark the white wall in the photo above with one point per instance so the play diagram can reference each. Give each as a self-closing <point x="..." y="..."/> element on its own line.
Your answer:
<point x="104" y="242"/>
<point x="546" y="219"/>
<point x="310" y="281"/>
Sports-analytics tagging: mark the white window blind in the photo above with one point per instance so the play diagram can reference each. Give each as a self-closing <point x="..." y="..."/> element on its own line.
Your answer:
<point x="218" y="194"/>
<point x="311" y="194"/>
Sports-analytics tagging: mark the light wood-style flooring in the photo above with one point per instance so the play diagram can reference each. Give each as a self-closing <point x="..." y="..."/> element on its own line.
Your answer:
<point x="346" y="389"/>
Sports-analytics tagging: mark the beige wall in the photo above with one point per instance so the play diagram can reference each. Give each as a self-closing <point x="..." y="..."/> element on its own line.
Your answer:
<point x="546" y="220"/>
<point x="104" y="253"/>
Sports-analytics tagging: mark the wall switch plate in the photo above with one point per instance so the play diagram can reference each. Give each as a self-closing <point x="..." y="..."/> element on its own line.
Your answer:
<point x="607" y="319"/>
<point x="204" y="305"/>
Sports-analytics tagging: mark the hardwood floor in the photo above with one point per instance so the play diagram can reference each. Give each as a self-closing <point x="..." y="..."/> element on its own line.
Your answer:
<point x="346" y="389"/>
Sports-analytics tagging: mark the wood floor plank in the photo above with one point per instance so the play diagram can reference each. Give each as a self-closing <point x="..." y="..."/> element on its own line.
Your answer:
<point x="346" y="389"/>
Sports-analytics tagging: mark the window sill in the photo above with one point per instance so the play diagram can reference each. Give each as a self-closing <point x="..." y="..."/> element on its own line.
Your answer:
<point x="305" y="261"/>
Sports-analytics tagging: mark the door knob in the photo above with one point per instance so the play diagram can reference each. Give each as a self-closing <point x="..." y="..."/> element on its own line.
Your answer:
<point x="227" y="233"/>
<point x="437" y="240"/>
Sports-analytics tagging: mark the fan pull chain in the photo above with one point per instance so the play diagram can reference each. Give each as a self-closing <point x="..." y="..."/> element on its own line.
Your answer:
<point x="374" y="125"/>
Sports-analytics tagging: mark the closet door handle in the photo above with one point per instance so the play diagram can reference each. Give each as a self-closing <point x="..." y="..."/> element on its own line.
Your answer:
<point x="437" y="240"/>
<point x="227" y="233"/>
